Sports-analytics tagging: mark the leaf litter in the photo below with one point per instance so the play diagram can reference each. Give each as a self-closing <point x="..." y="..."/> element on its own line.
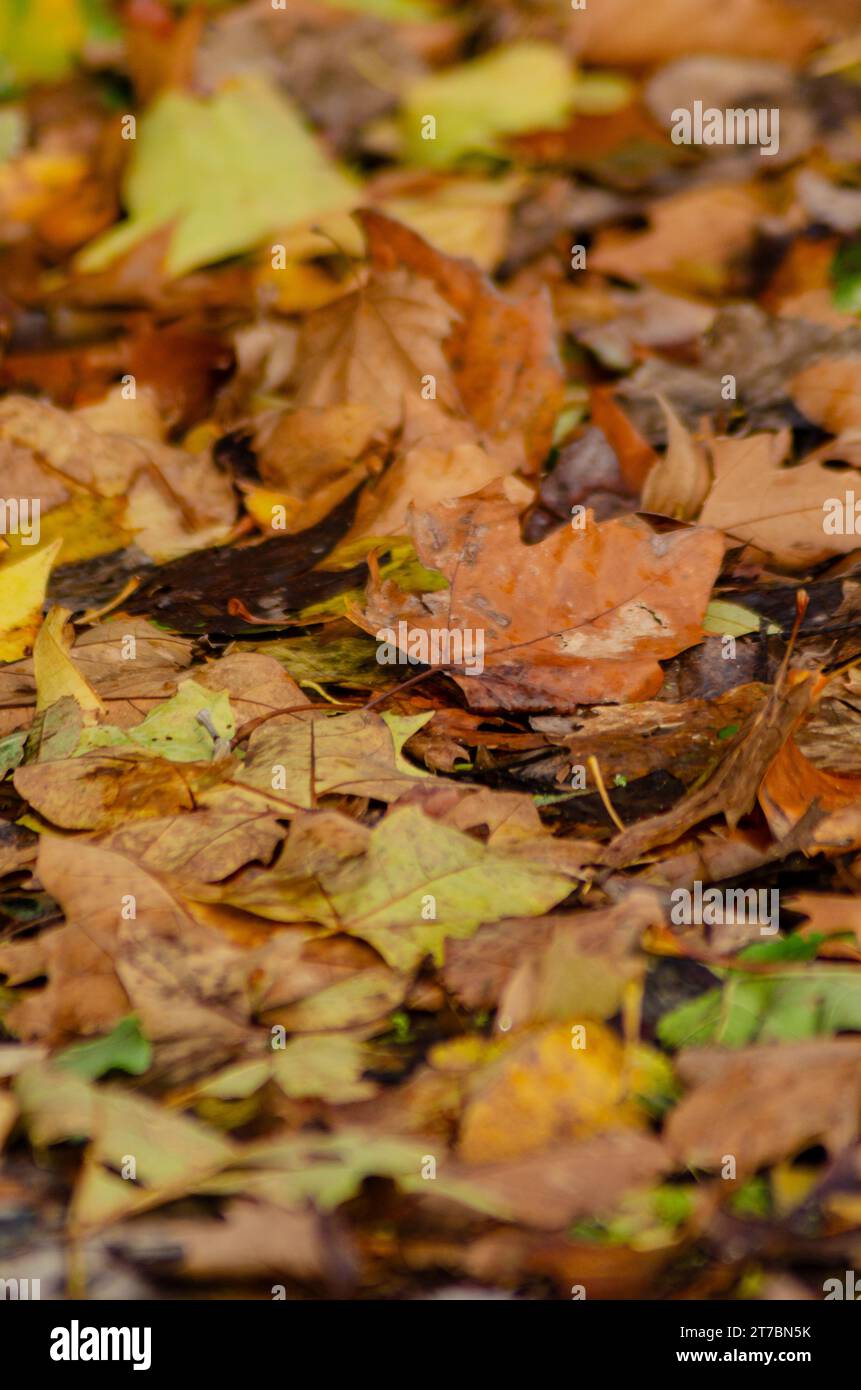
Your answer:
<point x="430" y="789"/>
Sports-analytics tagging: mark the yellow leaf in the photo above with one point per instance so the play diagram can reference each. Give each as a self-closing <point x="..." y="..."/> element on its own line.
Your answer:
<point x="56" y="673"/>
<point x="521" y="87"/>
<point x="87" y="525"/>
<point x="39" y="39"/>
<point x="550" y="1085"/>
<point x="22" y="594"/>
<point x="223" y="173"/>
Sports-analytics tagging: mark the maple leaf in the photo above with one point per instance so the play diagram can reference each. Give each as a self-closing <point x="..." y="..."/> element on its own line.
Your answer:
<point x="439" y="457"/>
<point x="377" y="347"/>
<point x="321" y="754"/>
<point x="216" y="170"/>
<point x="174" y="501"/>
<point x="381" y="885"/>
<point x="583" y="617"/>
<point x="780" y="510"/>
<point x="693" y="233"/>
<point x="480" y="481"/>
<point x="503" y="353"/>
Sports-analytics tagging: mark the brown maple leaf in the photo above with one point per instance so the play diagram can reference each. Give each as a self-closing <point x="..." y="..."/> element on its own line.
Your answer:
<point x="377" y="347"/>
<point x="581" y="618"/>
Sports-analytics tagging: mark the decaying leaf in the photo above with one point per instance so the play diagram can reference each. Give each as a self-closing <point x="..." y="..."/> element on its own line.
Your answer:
<point x="430" y="621"/>
<point x="747" y="1103"/>
<point x="405" y="887"/>
<point x="615" y="597"/>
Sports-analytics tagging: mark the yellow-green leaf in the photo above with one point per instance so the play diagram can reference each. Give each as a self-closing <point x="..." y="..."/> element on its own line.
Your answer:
<point x="526" y="86"/>
<point x="56" y="673"/>
<point x="22" y="594"/>
<point x="225" y="173"/>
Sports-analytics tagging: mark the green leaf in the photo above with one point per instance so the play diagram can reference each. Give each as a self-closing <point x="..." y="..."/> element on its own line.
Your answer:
<point x="13" y="132"/>
<point x="753" y="1198"/>
<point x="404" y="10"/>
<point x="415" y="865"/>
<point x="795" y="948"/>
<point x="55" y="731"/>
<point x="224" y="174"/>
<point x="730" y="1016"/>
<point x="406" y="886"/>
<point x="39" y="40"/>
<point x="11" y="751"/>
<point x="350" y="661"/>
<point x="846" y="277"/>
<point x="511" y="90"/>
<point x="328" y="1169"/>
<point x="173" y="730"/>
<point x="786" y="1007"/>
<point x="125" y="1049"/>
<point x="732" y="620"/>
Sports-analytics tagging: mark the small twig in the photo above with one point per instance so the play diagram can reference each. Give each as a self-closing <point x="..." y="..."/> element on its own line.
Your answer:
<point x="592" y="763"/>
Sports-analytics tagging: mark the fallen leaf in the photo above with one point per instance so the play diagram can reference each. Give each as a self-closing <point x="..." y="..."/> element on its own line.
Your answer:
<point x="765" y="1103"/>
<point x="692" y="236"/>
<point x="206" y="167"/>
<point x="54" y="669"/>
<point x="503" y="354"/>
<point x="622" y="32"/>
<point x="174" y="501"/>
<point x="615" y="599"/>
<point x="679" y="483"/>
<point x="322" y="1065"/>
<point x="779" y="510"/>
<point x="22" y="593"/>
<point x="249" y="1241"/>
<point x="827" y="393"/>
<point x="554" y="1187"/>
<point x="546" y="1088"/>
<point x="405" y="887"/>
<point x="376" y="348"/>
<point x="732" y="788"/>
<point x="182" y="979"/>
<point x="793" y="784"/>
<point x="171" y="1153"/>
<point x="523" y="87"/>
